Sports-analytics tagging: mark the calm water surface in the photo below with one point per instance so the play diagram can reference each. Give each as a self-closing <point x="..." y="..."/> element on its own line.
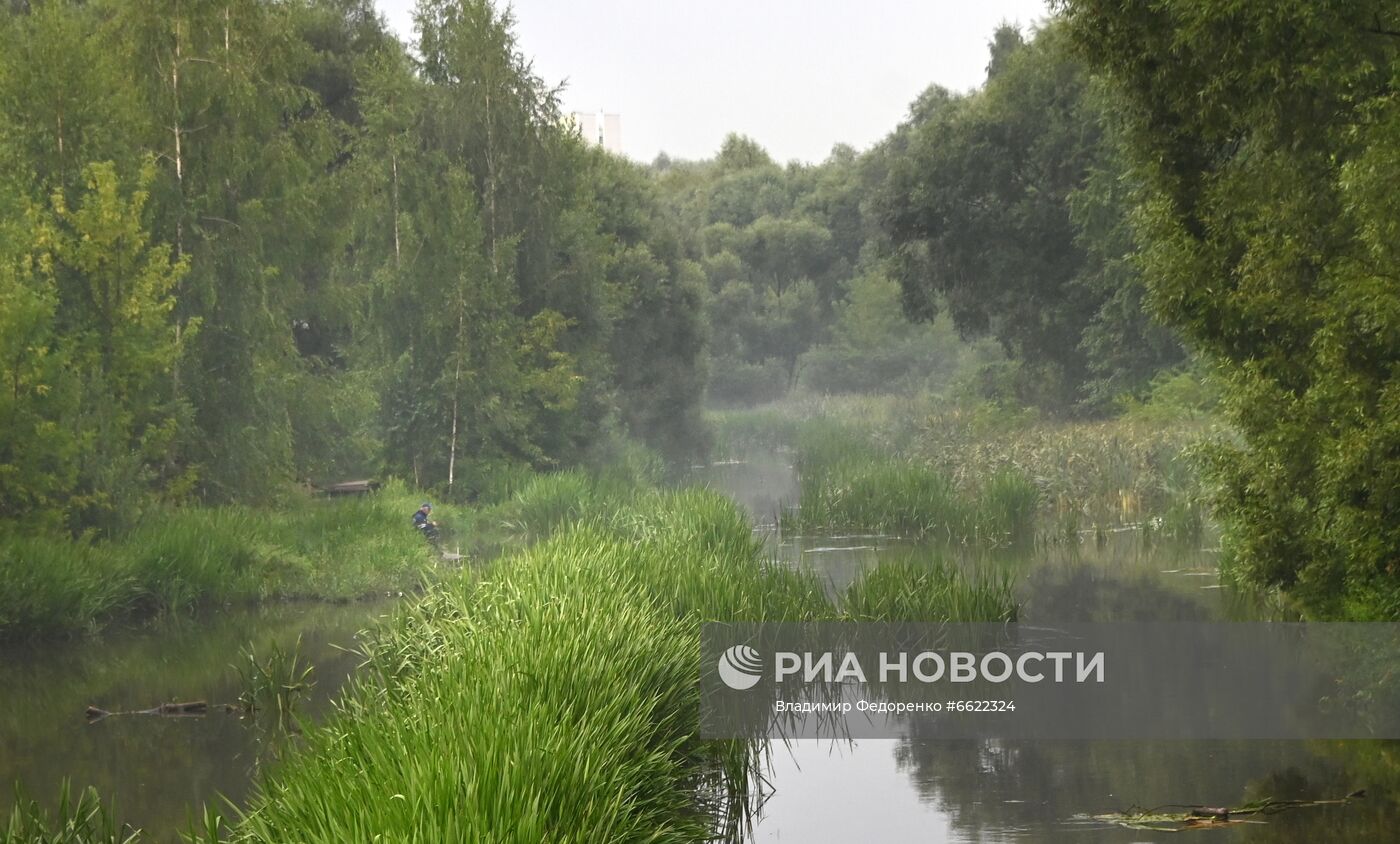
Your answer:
<point x="907" y="790"/>
<point x="160" y="770"/>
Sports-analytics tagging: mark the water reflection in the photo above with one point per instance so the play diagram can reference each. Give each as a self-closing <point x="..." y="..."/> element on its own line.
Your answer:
<point x="157" y="769"/>
<point x="987" y="791"/>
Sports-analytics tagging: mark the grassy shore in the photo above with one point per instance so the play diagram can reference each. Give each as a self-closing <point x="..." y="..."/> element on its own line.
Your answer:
<point x="178" y="560"/>
<point x="553" y="699"/>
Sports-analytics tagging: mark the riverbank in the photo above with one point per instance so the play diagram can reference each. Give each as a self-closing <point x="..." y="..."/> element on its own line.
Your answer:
<point x="174" y="561"/>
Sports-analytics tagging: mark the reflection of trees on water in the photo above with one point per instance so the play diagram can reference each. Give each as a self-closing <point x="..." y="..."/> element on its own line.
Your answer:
<point x="157" y="769"/>
<point x="1005" y="785"/>
<point x="993" y="785"/>
<point x="1085" y="592"/>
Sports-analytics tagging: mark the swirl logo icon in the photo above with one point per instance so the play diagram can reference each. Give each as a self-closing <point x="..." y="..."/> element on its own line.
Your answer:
<point x="740" y="667"/>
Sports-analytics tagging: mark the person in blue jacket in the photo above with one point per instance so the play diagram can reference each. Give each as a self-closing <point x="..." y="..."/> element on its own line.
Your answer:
<point x="423" y="523"/>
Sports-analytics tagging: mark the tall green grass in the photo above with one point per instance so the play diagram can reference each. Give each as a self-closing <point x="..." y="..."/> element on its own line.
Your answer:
<point x="849" y="483"/>
<point x="49" y="586"/>
<point x="174" y="561"/>
<point x="553" y="700"/>
<point x="80" y="819"/>
<point x="548" y="502"/>
<point x="913" y="589"/>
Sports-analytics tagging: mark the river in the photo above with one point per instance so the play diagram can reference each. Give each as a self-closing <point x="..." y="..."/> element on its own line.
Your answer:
<point x="905" y="790"/>
<point x="161" y="770"/>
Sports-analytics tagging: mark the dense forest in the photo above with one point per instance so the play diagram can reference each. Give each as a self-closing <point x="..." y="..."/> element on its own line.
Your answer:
<point x="259" y="242"/>
<point x="248" y="244"/>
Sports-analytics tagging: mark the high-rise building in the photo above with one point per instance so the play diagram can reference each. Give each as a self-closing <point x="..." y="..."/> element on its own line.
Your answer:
<point x="599" y="128"/>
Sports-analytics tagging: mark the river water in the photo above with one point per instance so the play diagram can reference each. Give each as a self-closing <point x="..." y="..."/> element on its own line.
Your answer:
<point x="161" y="770"/>
<point x="906" y="790"/>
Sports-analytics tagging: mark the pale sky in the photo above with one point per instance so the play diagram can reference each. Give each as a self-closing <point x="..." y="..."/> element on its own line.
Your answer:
<point x="798" y="76"/>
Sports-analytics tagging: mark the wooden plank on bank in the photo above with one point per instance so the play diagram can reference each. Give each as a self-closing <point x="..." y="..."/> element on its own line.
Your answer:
<point x="349" y="488"/>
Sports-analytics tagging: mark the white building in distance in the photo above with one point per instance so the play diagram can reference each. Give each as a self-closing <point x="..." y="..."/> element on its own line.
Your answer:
<point x="604" y="130"/>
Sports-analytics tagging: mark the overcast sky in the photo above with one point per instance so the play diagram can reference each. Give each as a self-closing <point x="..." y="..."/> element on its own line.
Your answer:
<point x="797" y="75"/>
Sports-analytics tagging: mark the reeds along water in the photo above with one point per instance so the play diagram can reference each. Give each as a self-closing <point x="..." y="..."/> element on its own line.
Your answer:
<point x="850" y="484"/>
<point x="976" y="473"/>
<point x="919" y="589"/>
<point x="553" y="699"/>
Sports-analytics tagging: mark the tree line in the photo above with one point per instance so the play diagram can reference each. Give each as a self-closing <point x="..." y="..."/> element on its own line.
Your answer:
<point x="1138" y="189"/>
<point x="245" y="242"/>
<point x="1000" y="214"/>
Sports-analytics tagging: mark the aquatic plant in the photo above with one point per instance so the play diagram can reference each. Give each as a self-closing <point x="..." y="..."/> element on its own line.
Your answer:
<point x="1108" y="472"/>
<point x="273" y="682"/>
<point x="77" y="819"/>
<point x="850" y="483"/>
<point x="932" y="590"/>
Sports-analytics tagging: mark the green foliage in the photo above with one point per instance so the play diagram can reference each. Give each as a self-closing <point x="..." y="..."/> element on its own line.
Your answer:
<point x="1004" y="210"/>
<point x="88" y="351"/>
<point x="38" y="454"/>
<point x="177" y="560"/>
<point x="777" y="247"/>
<point x="1267" y="148"/>
<point x="83" y="819"/>
<point x="1175" y="396"/>
<point x="118" y="289"/>
<point x="243" y="243"/>
<point x="875" y="349"/>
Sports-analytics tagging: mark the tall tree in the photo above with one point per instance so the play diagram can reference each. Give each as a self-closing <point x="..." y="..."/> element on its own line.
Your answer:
<point x="980" y="208"/>
<point x="1268" y="139"/>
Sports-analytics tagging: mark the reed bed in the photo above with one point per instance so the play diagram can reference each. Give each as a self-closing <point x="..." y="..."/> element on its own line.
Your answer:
<point x="555" y="699"/>
<point x="849" y="483"/>
<point x="1087" y="474"/>
<point x="930" y="590"/>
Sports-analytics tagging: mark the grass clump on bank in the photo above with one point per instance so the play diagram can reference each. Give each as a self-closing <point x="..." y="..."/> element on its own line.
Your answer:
<point x="553" y="700"/>
<point x="174" y="561"/>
